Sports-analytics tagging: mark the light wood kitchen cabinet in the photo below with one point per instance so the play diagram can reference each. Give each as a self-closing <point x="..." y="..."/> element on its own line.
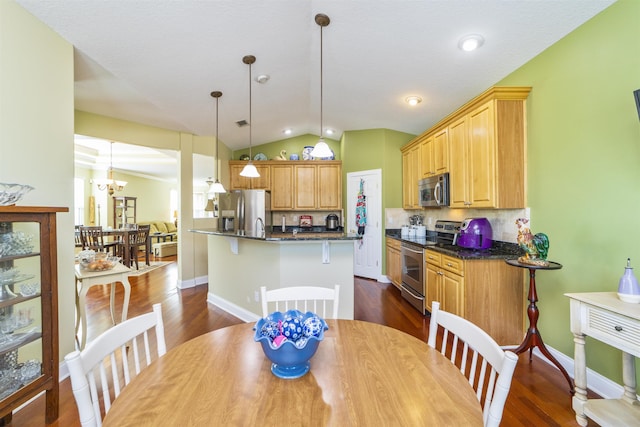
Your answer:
<point x="282" y="187"/>
<point x="458" y="173"/>
<point x="394" y="272"/>
<point x="329" y="189"/>
<point x="441" y="151"/>
<point x="487" y="292"/>
<point x="445" y="282"/>
<point x="294" y="185"/>
<point x="263" y="182"/>
<point x="305" y="183"/>
<point x="29" y="309"/>
<point x="487" y="151"/>
<point x="411" y="174"/>
<point x="484" y="152"/>
<point x="427" y="161"/>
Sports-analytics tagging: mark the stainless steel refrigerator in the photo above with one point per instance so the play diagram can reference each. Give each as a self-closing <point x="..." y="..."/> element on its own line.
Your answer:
<point x="248" y="210"/>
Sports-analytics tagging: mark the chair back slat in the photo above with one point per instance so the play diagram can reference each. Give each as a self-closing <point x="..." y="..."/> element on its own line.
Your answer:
<point x="490" y="369"/>
<point x="320" y="300"/>
<point x="106" y="363"/>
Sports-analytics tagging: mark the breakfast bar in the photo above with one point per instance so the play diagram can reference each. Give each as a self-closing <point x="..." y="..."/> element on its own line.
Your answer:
<point x="239" y="265"/>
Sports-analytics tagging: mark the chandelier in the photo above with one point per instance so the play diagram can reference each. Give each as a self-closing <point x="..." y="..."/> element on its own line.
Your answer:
<point x="110" y="184"/>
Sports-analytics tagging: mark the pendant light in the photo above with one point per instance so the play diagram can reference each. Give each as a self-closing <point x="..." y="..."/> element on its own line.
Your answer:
<point x="217" y="187"/>
<point x="249" y="170"/>
<point x="321" y="148"/>
<point x="110" y="184"/>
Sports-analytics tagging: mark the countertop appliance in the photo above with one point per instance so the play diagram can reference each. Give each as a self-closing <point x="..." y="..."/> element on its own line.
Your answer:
<point x="332" y="222"/>
<point x="434" y="191"/>
<point x="252" y="211"/>
<point x="475" y="233"/>
<point x="412" y="275"/>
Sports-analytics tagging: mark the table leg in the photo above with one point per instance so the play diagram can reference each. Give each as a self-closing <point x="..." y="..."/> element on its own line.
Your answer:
<point x="112" y="302"/>
<point x="127" y="296"/>
<point x="580" y="374"/>
<point x="83" y="314"/>
<point x="629" y="378"/>
<point x="533" y="338"/>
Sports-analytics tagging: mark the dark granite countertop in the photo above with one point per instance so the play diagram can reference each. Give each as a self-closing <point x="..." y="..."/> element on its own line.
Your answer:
<point x="292" y="235"/>
<point x="499" y="250"/>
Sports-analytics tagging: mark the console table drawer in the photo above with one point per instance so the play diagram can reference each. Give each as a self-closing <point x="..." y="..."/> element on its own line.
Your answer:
<point x="611" y="328"/>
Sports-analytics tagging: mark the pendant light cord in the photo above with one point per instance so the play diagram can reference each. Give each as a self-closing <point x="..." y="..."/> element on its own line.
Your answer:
<point x="217" y="171"/>
<point x="321" y="81"/>
<point x="250" y="119"/>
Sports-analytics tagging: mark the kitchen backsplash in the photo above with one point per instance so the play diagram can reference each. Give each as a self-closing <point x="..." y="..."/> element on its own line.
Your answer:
<point x="293" y="218"/>
<point x="503" y="221"/>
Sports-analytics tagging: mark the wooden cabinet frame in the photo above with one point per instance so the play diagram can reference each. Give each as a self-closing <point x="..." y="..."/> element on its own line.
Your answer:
<point x="47" y="381"/>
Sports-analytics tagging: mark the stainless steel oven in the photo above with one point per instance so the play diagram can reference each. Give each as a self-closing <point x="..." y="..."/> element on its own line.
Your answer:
<point x="413" y="275"/>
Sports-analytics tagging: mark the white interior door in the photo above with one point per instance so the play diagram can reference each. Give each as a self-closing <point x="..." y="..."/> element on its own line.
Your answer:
<point x="367" y="257"/>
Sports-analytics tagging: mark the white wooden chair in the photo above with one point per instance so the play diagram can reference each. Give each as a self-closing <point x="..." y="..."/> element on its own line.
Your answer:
<point x="304" y="298"/>
<point x="108" y="360"/>
<point x="491" y="394"/>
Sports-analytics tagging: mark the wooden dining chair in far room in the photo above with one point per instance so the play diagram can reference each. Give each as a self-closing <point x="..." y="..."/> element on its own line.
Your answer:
<point x="100" y="372"/>
<point x="139" y="239"/>
<point x="92" y="237"/>
<point x="78" y="237"/>
<point x="317" y="299"/>
<point x="464" y="342"/>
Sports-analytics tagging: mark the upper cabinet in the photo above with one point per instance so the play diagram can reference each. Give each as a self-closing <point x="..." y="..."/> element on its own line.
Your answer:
<point x="411" y="174"/>
<point x="295" y="185"/>
<point x="435" y="154"/>
<point x="485" y="152"/>
<point x="263" y="182"/>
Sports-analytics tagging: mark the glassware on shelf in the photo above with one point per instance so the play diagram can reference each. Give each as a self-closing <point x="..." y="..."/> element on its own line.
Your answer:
<point x="16" y="243"/>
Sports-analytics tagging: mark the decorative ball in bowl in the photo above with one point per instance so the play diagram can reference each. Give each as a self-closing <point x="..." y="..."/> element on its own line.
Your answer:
<point x="100" y="262"/>
<point x="290" y="340"/>
<point x="12" y="193"/>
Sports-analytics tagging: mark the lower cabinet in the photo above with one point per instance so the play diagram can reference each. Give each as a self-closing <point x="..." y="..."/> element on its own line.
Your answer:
<point x="487" y="292"/>
<point x="394" y="272"/>
<point x="445" y="282"/>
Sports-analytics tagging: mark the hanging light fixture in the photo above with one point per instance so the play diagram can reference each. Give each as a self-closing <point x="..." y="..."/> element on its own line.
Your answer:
<point x="110" y="184"/>
<point x="249" y="170"/>
<point x="217" y="187"/>
<point x="321" y="148"/>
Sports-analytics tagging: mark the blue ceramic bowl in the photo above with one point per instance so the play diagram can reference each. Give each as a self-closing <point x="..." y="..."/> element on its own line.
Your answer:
<point x="291" y="358"/>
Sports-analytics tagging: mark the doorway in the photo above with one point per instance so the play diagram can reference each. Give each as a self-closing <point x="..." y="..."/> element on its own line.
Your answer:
<point x="367" y="252"/>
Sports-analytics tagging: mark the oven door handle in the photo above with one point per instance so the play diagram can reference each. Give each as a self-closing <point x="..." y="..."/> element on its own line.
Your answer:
<point x="405" y="248"/>
<point x="413" y="293"/>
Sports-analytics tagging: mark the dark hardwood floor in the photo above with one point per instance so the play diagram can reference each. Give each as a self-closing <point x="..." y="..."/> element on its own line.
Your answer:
<point x="539" y="393"/>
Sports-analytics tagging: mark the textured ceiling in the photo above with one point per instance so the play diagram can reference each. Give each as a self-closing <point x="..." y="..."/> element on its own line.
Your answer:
<point x="156" y="62"/>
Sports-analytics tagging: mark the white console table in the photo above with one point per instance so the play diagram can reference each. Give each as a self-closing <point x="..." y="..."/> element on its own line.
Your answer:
<point x="602" y="316"/>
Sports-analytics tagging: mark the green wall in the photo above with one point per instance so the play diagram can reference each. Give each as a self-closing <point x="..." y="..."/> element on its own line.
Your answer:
<point x="293" y="145"/>
<point x="584" y="166"/>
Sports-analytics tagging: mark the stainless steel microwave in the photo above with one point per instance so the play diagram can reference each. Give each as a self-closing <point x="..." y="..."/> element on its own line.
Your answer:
<point x="434" y="191"/>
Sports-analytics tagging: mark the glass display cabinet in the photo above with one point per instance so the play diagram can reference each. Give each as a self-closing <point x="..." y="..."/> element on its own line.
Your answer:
<point x="28" y="308"/>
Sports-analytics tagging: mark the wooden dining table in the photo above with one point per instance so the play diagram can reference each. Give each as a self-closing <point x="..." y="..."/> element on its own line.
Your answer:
<point x="124" y="235"/>
<point x="363" y="374"/>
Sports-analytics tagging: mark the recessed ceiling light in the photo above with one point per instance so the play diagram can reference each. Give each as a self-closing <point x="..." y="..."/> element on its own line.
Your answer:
<point x="287" y="131"/>
<point x="262" y="78"/>
<point x="413" y="100"/>
<point x="470" y="42"/>
<point x="329" y="131"/>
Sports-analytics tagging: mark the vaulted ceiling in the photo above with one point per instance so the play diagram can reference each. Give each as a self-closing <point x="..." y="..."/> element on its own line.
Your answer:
<point x="156" y="62"/>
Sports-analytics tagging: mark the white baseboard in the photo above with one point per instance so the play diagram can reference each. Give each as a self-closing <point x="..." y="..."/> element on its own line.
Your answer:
<point x="597" y="383"/>
<point x="384" y="279"/>
<point x="190" y="283"/>
<point x="231" y="308"/>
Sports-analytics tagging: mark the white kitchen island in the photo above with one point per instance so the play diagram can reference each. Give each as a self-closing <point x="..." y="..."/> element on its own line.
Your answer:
<point x="239" y="266"/>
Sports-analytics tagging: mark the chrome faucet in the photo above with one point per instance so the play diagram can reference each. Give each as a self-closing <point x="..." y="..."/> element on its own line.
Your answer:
<point x="262" y="233"/>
